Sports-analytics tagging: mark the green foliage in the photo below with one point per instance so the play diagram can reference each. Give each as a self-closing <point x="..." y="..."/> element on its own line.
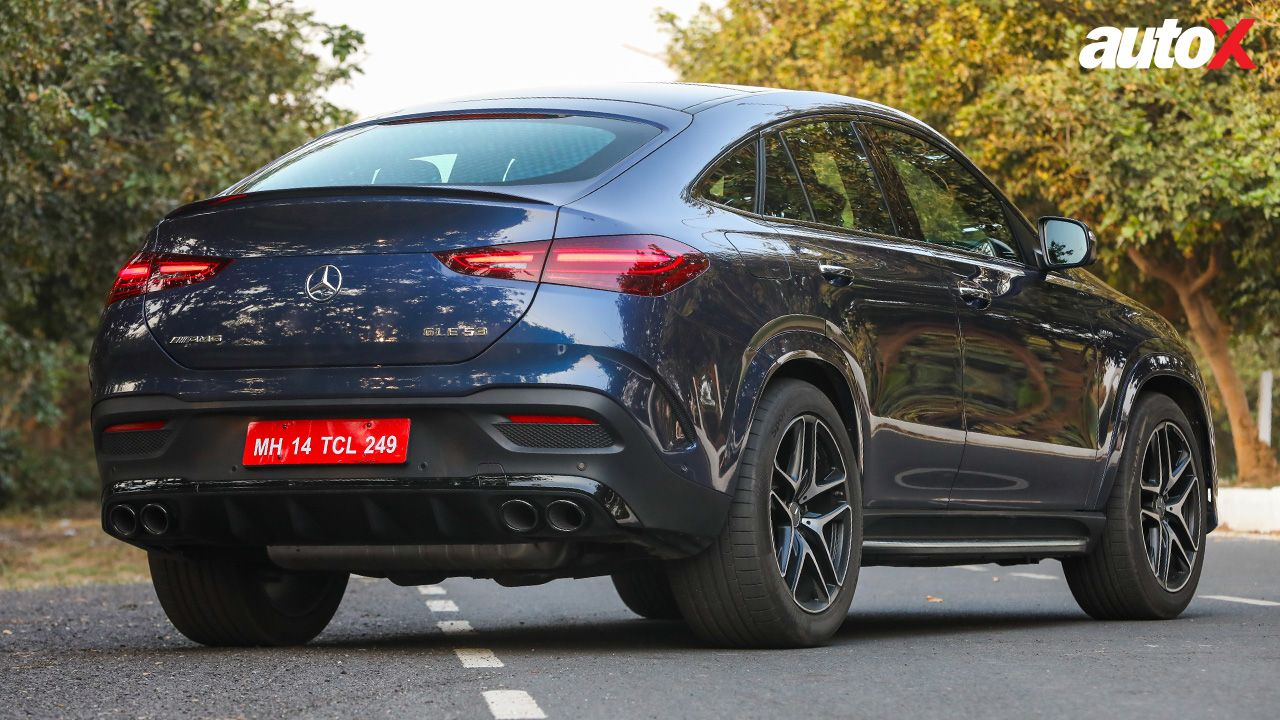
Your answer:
<point x="46" y="452"/>
<point x="112" y="113"/>
<point x="1180" y="163"/>
<point x="1251" y="355"/>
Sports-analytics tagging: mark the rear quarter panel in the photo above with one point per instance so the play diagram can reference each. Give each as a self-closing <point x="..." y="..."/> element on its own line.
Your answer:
<point x="715" y="341"/>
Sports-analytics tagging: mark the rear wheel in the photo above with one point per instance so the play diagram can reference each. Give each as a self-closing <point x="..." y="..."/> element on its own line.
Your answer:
<point x="646" y="591"/>
<point x="783" y="570"/>
<point x="1147" y="563"/>
<point x="217" y="601"/>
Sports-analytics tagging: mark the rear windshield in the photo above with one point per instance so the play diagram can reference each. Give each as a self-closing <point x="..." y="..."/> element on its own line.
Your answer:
<point x="472" y="151"/>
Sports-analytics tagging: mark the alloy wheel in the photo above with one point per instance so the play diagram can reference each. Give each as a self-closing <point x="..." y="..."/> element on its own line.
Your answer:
<point x="810" y="515"/>
<point x="1170" y="507"/>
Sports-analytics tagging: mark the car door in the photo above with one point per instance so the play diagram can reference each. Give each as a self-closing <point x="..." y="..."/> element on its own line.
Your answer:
<point x="1030" y="363"/>
<point x="890" y="306"/>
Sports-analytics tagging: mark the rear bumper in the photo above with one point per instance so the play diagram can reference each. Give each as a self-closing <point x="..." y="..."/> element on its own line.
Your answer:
<point x="462" y="466"/>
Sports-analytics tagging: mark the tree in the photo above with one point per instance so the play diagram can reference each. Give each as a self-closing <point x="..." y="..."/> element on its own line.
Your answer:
<point x="112" y="113"/>
<point x="1175" y="169"/>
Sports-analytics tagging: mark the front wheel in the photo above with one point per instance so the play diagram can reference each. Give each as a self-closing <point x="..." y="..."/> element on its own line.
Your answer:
<point x="1148" y="561"/>
<point x="783" y="570"/>
<point x="222" y="602"/>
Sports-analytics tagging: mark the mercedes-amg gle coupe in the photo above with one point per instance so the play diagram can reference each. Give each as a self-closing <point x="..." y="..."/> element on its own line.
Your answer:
<point x="727" y="345"/>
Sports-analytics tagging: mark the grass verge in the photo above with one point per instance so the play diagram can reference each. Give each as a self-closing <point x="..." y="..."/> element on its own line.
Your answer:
<point x="61" y="547"/>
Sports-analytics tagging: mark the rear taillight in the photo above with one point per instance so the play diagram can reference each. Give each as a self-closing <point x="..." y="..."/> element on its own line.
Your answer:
<point x="152" y="272"/>
<point x="631" y="264"/>
<point x="518" y="261"/>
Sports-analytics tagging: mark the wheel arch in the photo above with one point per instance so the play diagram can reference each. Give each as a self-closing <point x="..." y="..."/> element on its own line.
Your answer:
<point x="810" y="355"/>
<point x="826" y="377"/>
<point x="1174" y="375"/>
<point x="1182" y="392"/>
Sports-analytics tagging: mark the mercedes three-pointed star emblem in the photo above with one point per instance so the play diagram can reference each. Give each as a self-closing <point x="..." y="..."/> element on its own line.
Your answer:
<point x="324" y="283"/>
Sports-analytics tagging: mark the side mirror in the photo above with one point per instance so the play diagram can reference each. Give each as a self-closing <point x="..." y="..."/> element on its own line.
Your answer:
<point x="1066" y="243"/>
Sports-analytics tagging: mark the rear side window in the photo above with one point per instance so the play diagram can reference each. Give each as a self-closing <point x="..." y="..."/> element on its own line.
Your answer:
<point x="783" y="194"/>
<point x="837" y="176"/>
<point x="733" y="182"/>
<point x="953" y="206"/>
<point x="471" y="151"/>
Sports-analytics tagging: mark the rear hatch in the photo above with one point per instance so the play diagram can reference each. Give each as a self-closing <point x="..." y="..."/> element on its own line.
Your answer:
<point x="342" y="277"/>
<point x="330" y="246"/>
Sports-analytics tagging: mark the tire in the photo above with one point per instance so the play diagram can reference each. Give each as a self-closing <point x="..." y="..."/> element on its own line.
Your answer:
<point x="1118" y="579"/>
<point x="646" y="591"/>
<point x="220" y="602"/>
<point x="736" y="593"/>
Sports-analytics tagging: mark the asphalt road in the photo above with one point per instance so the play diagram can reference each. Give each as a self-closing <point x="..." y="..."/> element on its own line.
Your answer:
<point x="1000" y="643"/>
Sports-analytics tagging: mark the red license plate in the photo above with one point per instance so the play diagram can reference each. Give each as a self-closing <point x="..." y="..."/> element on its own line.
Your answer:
<point x="327" y="442"/>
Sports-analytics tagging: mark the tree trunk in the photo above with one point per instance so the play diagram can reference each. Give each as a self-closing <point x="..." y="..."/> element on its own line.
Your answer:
<point x="1255" y="463"/>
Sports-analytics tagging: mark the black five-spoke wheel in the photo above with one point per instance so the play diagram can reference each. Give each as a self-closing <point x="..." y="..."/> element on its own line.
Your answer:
<point x="1170" y="506"/>
<point x="783" y="570"/>
<point x="1147" y="562"/>
<point x="810" y="513"/>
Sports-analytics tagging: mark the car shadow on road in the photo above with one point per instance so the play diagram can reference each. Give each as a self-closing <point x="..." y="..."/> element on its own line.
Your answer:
<point x="577" y="637"/>
<point x="904" y="624"/>
<point x="587" y="637"/>
<point x="592" y="638"/>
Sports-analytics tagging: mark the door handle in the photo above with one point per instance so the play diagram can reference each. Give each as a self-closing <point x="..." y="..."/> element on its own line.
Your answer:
<point x="836" y="274"/>
<point x="975" y="297"/>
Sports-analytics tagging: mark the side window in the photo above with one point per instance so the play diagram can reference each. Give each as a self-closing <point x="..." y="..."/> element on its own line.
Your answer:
<point x="783" y="195"/>
<point x="733" y="181"/>
<point x="837" y="177"/>
<point x="954" y="208"/>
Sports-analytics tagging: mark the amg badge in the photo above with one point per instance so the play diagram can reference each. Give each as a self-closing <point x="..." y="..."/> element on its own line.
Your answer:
<point x="192" y="339"/>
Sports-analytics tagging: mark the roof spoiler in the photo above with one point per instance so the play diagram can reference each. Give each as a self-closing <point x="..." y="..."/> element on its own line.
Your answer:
<point x="440" y="191"/>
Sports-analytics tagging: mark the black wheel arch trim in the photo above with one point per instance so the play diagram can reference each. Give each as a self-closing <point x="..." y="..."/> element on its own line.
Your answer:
<point x="786" y="343"/>
<point x="1160" y="366"/>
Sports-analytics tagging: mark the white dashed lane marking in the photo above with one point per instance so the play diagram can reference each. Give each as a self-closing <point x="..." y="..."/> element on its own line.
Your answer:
<point x="512" y="705"/>
<point x="973" y="568"/>
<point x="1032" y="576"/>
<point x="503" y="704"/>
<point x="455" y="627"/>
<point x="477" y="658"/>
<point x="1243" y="601"/>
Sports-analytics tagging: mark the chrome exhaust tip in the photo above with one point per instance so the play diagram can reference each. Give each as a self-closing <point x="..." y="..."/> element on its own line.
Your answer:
<point x="566" y="516"/>
<point x="122" y="520"/>
<point x="519" y="515"/>
<point x="154" y="519"/>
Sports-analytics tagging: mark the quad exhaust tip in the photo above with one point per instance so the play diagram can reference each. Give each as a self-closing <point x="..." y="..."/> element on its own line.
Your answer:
<point x="519" y="515"/>
<point x="123" y="520"/>
<point x="566" y="516"/>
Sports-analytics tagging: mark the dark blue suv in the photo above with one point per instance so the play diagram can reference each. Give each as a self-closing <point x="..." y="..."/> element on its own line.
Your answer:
<point x="724" y="344"/>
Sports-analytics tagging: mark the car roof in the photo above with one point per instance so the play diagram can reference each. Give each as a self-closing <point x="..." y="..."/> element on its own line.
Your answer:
<point x="669" y="104"/>
<point x="684" y="97"/>
<point x="671" y="95"/>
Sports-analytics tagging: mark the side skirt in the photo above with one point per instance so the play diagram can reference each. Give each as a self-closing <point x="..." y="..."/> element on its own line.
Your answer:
<point x="951" y="537"/>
